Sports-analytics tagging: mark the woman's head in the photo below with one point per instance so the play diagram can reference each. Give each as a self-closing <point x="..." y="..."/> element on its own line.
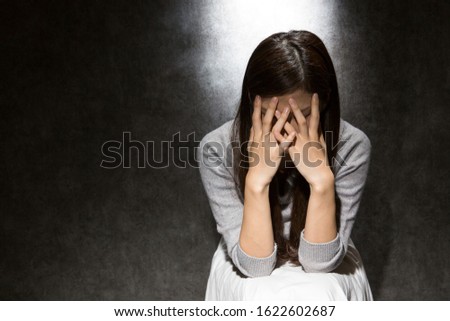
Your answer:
<point x="292" y="64"/>
<point x="288" y="62"/>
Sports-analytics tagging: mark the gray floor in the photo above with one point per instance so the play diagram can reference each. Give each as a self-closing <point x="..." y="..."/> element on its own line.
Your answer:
<point x="78" y="74"/>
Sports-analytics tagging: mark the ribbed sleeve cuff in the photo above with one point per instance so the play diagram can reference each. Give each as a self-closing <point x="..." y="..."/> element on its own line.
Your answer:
<point x="256" y="266"/>
<point x="319" y="257"/>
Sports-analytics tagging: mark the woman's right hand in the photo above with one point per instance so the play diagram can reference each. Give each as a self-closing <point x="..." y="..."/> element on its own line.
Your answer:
<point x="264" y="151"/>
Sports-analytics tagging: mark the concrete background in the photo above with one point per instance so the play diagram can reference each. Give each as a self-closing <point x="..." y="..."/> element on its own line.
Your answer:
<point x="76" y="74"/>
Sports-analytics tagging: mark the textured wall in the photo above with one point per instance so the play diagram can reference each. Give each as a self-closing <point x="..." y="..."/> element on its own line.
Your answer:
<point x="76" y="74"/>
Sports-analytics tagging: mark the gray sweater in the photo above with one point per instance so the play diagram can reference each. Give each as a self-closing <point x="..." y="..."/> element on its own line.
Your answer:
<point x="215" y="161"/>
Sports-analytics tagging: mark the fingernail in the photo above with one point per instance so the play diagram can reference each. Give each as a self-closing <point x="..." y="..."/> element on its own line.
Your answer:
<point x="257" y="98"/>
<point x="274" y="99"/>
<point x="286" y="110"/>
<point x="277" y="113"/>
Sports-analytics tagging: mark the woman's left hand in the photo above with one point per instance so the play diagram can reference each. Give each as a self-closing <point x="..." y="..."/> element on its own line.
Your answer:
<point x="309" y="150"/>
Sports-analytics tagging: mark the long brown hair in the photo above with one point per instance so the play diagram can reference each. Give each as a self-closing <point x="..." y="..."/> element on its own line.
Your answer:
<point x="282" y="64"/>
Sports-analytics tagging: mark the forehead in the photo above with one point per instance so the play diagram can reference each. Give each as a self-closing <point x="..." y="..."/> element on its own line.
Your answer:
<point x="302" y="98"/>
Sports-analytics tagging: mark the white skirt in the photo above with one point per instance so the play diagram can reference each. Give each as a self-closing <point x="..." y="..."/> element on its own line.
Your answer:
<point x="288" y="282"/>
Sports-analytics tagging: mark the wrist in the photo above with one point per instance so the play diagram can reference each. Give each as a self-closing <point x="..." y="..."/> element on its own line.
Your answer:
<point x="254" y="185"/>
<point x="324" y="183"/>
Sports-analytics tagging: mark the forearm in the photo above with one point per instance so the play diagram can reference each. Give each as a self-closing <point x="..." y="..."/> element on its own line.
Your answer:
<point x="320" y="225"/>
<point x="256" y="238"/>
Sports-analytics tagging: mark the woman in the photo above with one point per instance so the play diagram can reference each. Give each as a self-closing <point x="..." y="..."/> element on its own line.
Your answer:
<point x="286" y="204"/>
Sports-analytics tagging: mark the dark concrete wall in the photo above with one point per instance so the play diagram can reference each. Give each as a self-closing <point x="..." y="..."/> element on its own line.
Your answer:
<point x="77" y="74"/>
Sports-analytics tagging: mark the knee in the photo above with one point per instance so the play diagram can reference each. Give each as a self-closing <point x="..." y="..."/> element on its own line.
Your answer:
<point x="326" y="289"/>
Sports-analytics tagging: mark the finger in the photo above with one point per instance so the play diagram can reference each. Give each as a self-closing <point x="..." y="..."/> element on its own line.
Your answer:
<point x="256" y="116"/>
<point x="321" y="137"/>
<point x="252" y="134"/>
<point x="324" y="144"/>
<point x="314" y="119"/>
<point x="287" y="126"/>
<point x="267" y="120"/>
<point x="280" y="122"/>
<point x="301" y="120"/>
<point x="250" y="140"/>
<point x="284" y="145"/>
<point x="278" y="136"/>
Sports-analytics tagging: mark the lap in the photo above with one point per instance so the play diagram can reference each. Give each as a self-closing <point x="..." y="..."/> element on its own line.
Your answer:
<point x="288" y="282"/>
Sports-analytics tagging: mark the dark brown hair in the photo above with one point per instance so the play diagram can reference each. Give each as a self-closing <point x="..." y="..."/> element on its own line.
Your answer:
<point x="282" y="64"/>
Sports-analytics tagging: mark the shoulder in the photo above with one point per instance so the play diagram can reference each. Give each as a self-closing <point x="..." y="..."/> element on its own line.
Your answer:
<point x="351" y="133"/>
<point x="353" y="145"/>
<point x="216" y="145"/>
<point x="221" y="134"/>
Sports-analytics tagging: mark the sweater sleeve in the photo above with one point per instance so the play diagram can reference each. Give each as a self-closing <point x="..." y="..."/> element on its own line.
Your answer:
<point x="350" y="179"/>
<point x="226" y="206"/>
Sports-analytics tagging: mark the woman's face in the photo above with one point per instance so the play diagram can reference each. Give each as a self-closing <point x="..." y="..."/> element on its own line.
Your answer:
<point x="303" y="100"/>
